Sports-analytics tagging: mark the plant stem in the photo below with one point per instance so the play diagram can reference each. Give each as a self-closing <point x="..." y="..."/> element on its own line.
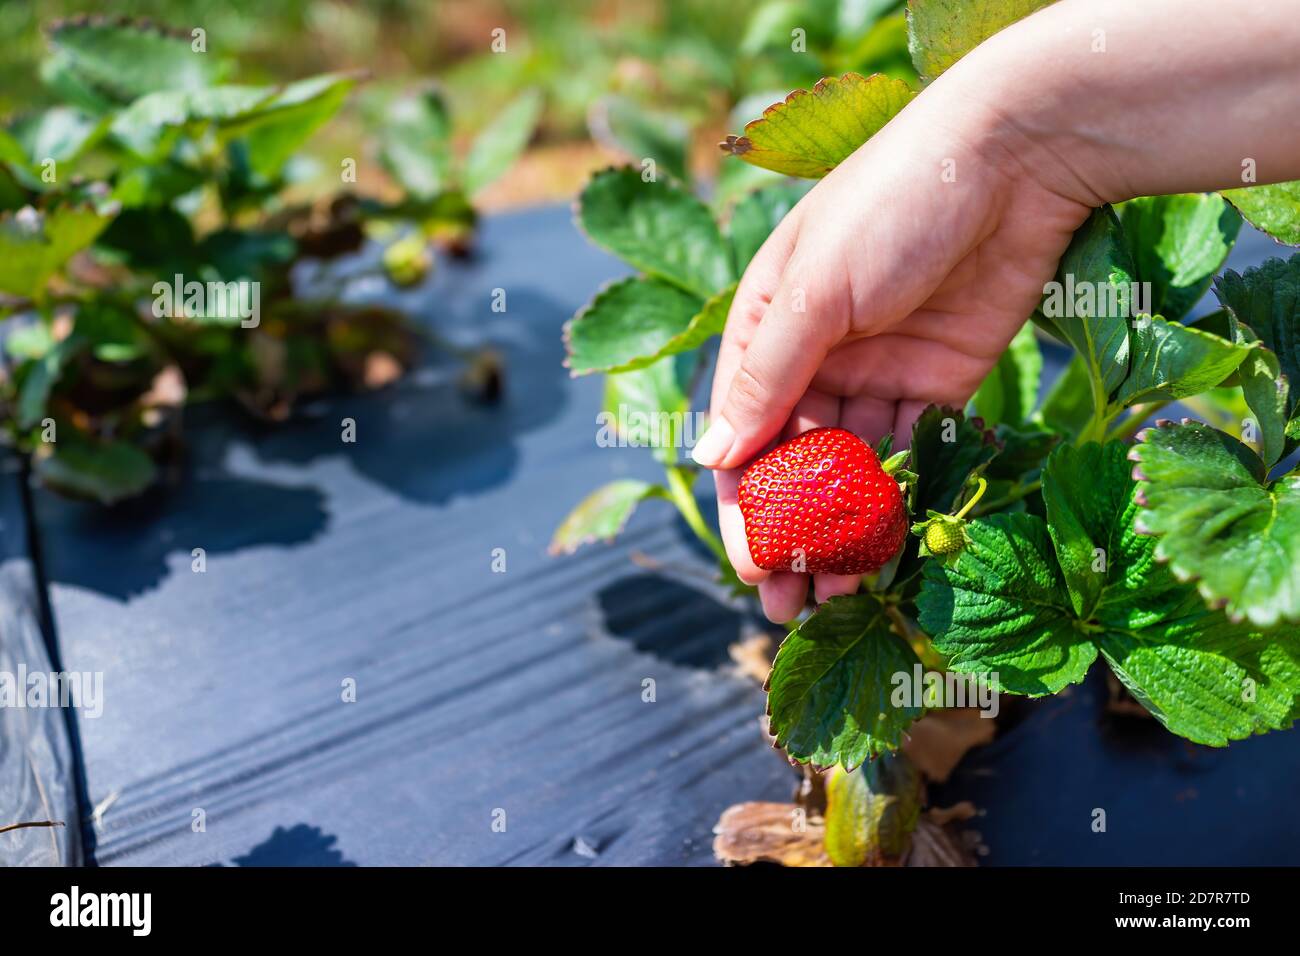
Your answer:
<point x="974" y="499"/>
<point x="1020" y="491"/>
<point x="1139" y="414"/>
<point x="679" y="489"/>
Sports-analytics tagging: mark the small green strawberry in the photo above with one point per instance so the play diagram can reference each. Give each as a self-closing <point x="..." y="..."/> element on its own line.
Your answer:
<point x="944" y="536"/>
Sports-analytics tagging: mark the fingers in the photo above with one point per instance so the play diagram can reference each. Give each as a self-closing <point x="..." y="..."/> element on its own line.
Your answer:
<point x="783" y="596"/>
<point x="827" y="586"/>
<point x="731" y="523"/>
<point x="774" y="372"/>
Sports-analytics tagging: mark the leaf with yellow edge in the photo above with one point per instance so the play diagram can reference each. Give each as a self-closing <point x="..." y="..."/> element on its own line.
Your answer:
<point x="941" y="32"/>
<point x="813" y="131"/>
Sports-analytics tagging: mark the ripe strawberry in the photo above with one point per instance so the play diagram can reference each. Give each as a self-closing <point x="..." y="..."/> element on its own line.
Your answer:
<point x="824" y="497"/>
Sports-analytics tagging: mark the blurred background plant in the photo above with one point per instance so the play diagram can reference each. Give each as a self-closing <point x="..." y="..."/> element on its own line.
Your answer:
<point x="301" y="130"/>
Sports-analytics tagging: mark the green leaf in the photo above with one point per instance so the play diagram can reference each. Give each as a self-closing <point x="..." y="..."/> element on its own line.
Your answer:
<point x="499" y="144"/>
<point x="1010" y="391"/>
<point x="1266" y="299"/>
<point x="602" y="514"/>
<point x="812" y="132"/>
<point x="1267" y="393"/>
<point x="947" y="448"/>
<point x="704" y="325"/>
<point x="1207" y="679"/>
<point x="830" y="694"/>
<point x="647" y="407"/>
<point x="39" y="377"/>
<point x="415" y="143"/>
<point x="658" y="228"/>
<point x="1204" y="495"/>
<point x="1085" y="489"/>
<point x="622" y="124"/>
<point x="1178" y="243"/>
<point x="272" y="121"/>
<point x="123" y="61"/>
<point x="60" y="133"/>
<point x="1171" y="361"/>
<point x="755" y="216"/>
<point x="941" y="32"/>
<point x="1090" y="302"/>
<point x="627" y="326"/>
<point x="1068" y="406"/>
<point x="872" y="811"/>
<point x="107" y="472"/>
<point x="35" y="245"/>
<point x="1272" y="209"/>
<point x="1001" y="610"/>
<point x="282" y="122"/>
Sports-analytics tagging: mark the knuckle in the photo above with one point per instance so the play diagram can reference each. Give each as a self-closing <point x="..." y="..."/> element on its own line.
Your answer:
<point x="748" y="396"/>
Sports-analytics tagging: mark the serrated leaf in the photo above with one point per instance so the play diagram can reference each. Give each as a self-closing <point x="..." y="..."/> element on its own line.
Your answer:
<point x="1022" y="454"/>
<point x="35" y="245"/>
<point x="124" y="61"/>
<point x="648" y="407"/>
<point x="1178" y="243"/>
<point x="830" y="691"/>
<point x="39" y="377"/>
<point x="1170" y="361"/>
<point x="602" y="514"/>
<point x="500" y="143"/>
<point x="760" y="212"/>
<point x="415" y="143"/>
<point x="282" y="122"/>
<point x="273" y="120"/>
<point x="628" y="325"/>
<point x="1273" y="209"/>
<point x="1010" y="391"/>
<point x="872" y="811"/>
<point x="1091" y="301"/>
<point x="1207" y="679"/>
<point x="1085" y="489"/>
<point x="622" y="124"/>
<point x="107" y="472"/>
<point x="1267" y="393"/>
<point x="1001" y="610"/>
<point x="947" y="447"/>
<point x="1067" y="408"/>
<point x="657" y="227"/>
<point x="1204" y="496"/>
<point x="1266" y="299"/>
<point x="59" y="133"/>
<point x="941" y="32"/>
<point x="813" y="131"/>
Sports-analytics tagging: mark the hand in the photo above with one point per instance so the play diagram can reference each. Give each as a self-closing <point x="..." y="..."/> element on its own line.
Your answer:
<point x="896" y="282"/>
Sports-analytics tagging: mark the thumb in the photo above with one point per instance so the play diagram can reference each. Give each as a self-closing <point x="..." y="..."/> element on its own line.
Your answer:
<point x="774" y="371"/>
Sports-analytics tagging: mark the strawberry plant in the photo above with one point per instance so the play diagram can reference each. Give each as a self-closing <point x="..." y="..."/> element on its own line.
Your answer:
<point x="148" y="250"/>
<point x="1048" y="537"/>
<point x="416" y="147"/>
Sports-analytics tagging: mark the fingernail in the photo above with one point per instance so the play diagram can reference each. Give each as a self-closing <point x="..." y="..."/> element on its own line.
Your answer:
<point x="715" y="444"/>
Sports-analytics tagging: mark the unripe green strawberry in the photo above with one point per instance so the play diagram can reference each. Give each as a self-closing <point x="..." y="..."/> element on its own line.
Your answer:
<point x="945" y="536"/>
<point x="407" y="261"/>
<point x="821" y="503"/>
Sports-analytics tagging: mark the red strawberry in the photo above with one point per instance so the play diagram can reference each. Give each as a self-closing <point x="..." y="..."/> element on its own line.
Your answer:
<point x="822" y="495"/>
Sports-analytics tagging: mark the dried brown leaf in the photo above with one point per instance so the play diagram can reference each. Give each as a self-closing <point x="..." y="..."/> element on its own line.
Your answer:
<point x="759" y="832"/>
<point x="937" y="742"/>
